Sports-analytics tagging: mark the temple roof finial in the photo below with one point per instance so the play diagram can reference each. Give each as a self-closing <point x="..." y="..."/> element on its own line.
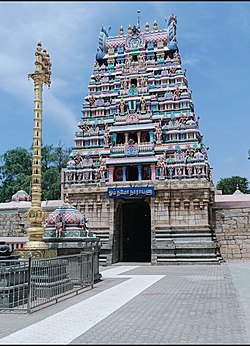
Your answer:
<point x="237" y="191"/>
<point x="121" y="31"/>
<point x="147" y="27"/>
<point x="155" y="26"/>
<point x="138" y="20"/>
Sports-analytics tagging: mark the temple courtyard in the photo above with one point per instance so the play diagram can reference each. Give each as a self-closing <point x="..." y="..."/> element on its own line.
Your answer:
<point x="137" y="303"/>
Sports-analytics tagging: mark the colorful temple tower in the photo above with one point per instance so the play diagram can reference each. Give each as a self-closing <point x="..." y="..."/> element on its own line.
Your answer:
<point x="139" y="168"/>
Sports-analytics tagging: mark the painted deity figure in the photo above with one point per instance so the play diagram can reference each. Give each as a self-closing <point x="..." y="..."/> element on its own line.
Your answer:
<point x="106" y="136"/>
<point x="141" y="61"/>
<point x="161" y="167"/>
<point x="95" y="172"/>
<point x="182" y="120"/>
<point x="190" y="122"/>
<point x="179" y="156"/>
<point x="102" y="169"/>
<point x="133" y="67"/>
<point x="143" y="104"/>
<point x="91" y="99"/>
<point x="71" y="163"/>
<point x="189" y="155"/>
<point x="198" y="156"/>
<point x="177" y="93"/>
<point x="70" y="176"/>
<point x="172" y="71"/>
<point x="189" y="169"/>
<point x="198" y="170"/>
<point x="98" y="77"/>
<point x="78" y="160"/>
<point x="122" y="106"/>
<point x="79" y="176"/>
<point x="125" y="83"/>
<point x="96" y="66"/>
<point x="128" y="61"/>
<point x="158" y="134"/>
<point x="86" y="175"/>
<point x="142" y="82"/>
<point x="176" y="57"/>
<point x="59" y="225"/>
<point x="179" y="171"/>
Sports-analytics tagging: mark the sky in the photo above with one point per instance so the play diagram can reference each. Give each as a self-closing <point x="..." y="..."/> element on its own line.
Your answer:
<point x="214" y="43"/>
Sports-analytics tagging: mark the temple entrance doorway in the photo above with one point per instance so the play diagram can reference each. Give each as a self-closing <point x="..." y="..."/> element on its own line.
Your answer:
<point x="135" y="236"/>
<point x="132" y="173"/>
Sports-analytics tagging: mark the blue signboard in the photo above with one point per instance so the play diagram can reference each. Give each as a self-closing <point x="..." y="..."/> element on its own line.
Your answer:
<point x="131" y="192"/>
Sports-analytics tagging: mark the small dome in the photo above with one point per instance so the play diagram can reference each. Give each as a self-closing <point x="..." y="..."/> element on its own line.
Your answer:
<point x="237" y="191"/>
<point x="21" y="195"/>
<point x="66" y="222"/>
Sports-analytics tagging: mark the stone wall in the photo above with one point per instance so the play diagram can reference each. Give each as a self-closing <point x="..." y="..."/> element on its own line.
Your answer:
<point x="230" y="218"/>
<point x="13" y="224"/>
<point x="232" y="227"/>
<point x="13" y="217"/>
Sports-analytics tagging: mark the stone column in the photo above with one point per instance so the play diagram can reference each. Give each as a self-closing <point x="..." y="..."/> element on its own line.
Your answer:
<point x="151" y="136"/>
<point x="126" y="137"/>
<point x="114" y="137"/>
<point x="111" y="173"/>
<point x="152" y="167"/>
<point x="139" y="168"/>
<point x="124" y="169"/>
<point x="139" y="137"/>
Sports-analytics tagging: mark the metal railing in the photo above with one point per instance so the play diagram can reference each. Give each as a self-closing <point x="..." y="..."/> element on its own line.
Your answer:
<point x="26" y="285"/>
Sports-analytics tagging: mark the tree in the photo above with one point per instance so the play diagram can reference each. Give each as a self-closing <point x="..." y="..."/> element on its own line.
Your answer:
<point x="15" y="162"/>
<point x="53" y="160"/>
<point x="16" y="171"/>
<point x="229" y="185"/>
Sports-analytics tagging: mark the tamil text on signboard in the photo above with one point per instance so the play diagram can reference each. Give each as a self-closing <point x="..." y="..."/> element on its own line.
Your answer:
<point x="131" y="192"/>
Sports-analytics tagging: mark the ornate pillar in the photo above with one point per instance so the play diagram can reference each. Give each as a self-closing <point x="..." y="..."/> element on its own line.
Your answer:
<point x="152" y="167"/>
<point x="139" y="168"/>
<point x="126" y="137"/>
<point x="124" y="169"/>
<point x="139" y="137"/>
<point x="111" y="173"/>
<point x="114" y="137"/>
<point x="36" y="247"/>
<point x="151" y="136"/>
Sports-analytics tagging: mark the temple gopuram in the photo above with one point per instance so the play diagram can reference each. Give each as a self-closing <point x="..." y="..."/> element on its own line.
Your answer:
<point x="139" y="168"/>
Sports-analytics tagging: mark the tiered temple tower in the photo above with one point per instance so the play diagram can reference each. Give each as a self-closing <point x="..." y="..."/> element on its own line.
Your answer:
<point x="139" y="166"/>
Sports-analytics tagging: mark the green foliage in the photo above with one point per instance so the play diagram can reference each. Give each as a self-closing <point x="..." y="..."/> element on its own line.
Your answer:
<point x="229" y="185"/>
<point x="16" y="170"/>
<point x="15" y="162"/>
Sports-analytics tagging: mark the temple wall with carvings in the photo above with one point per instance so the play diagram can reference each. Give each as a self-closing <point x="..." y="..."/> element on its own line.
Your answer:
<point x="230" y="217"/>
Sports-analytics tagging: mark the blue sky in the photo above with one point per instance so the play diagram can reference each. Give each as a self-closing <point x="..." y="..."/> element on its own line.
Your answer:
<point x="214" y="43"/>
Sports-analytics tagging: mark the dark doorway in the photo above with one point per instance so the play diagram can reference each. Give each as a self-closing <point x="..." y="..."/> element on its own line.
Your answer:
<point x="136" y="232"/>
<point x="132" y="173"/>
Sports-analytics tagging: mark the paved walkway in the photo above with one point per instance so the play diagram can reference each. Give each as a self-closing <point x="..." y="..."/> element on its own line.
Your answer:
<point x="145" y="304"/>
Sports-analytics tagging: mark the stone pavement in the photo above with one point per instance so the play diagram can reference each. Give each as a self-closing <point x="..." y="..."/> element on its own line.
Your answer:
<point x="144" y="304"/>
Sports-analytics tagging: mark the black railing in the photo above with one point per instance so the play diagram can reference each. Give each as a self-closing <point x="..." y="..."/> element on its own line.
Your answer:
<point x="26" y="285"/>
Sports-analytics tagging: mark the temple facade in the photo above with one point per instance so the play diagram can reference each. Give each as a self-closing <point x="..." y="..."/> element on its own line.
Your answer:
<point x="139" y="169"/>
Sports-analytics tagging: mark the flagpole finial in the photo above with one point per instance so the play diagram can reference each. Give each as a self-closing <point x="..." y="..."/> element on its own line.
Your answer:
<point x="138" y="14"/>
